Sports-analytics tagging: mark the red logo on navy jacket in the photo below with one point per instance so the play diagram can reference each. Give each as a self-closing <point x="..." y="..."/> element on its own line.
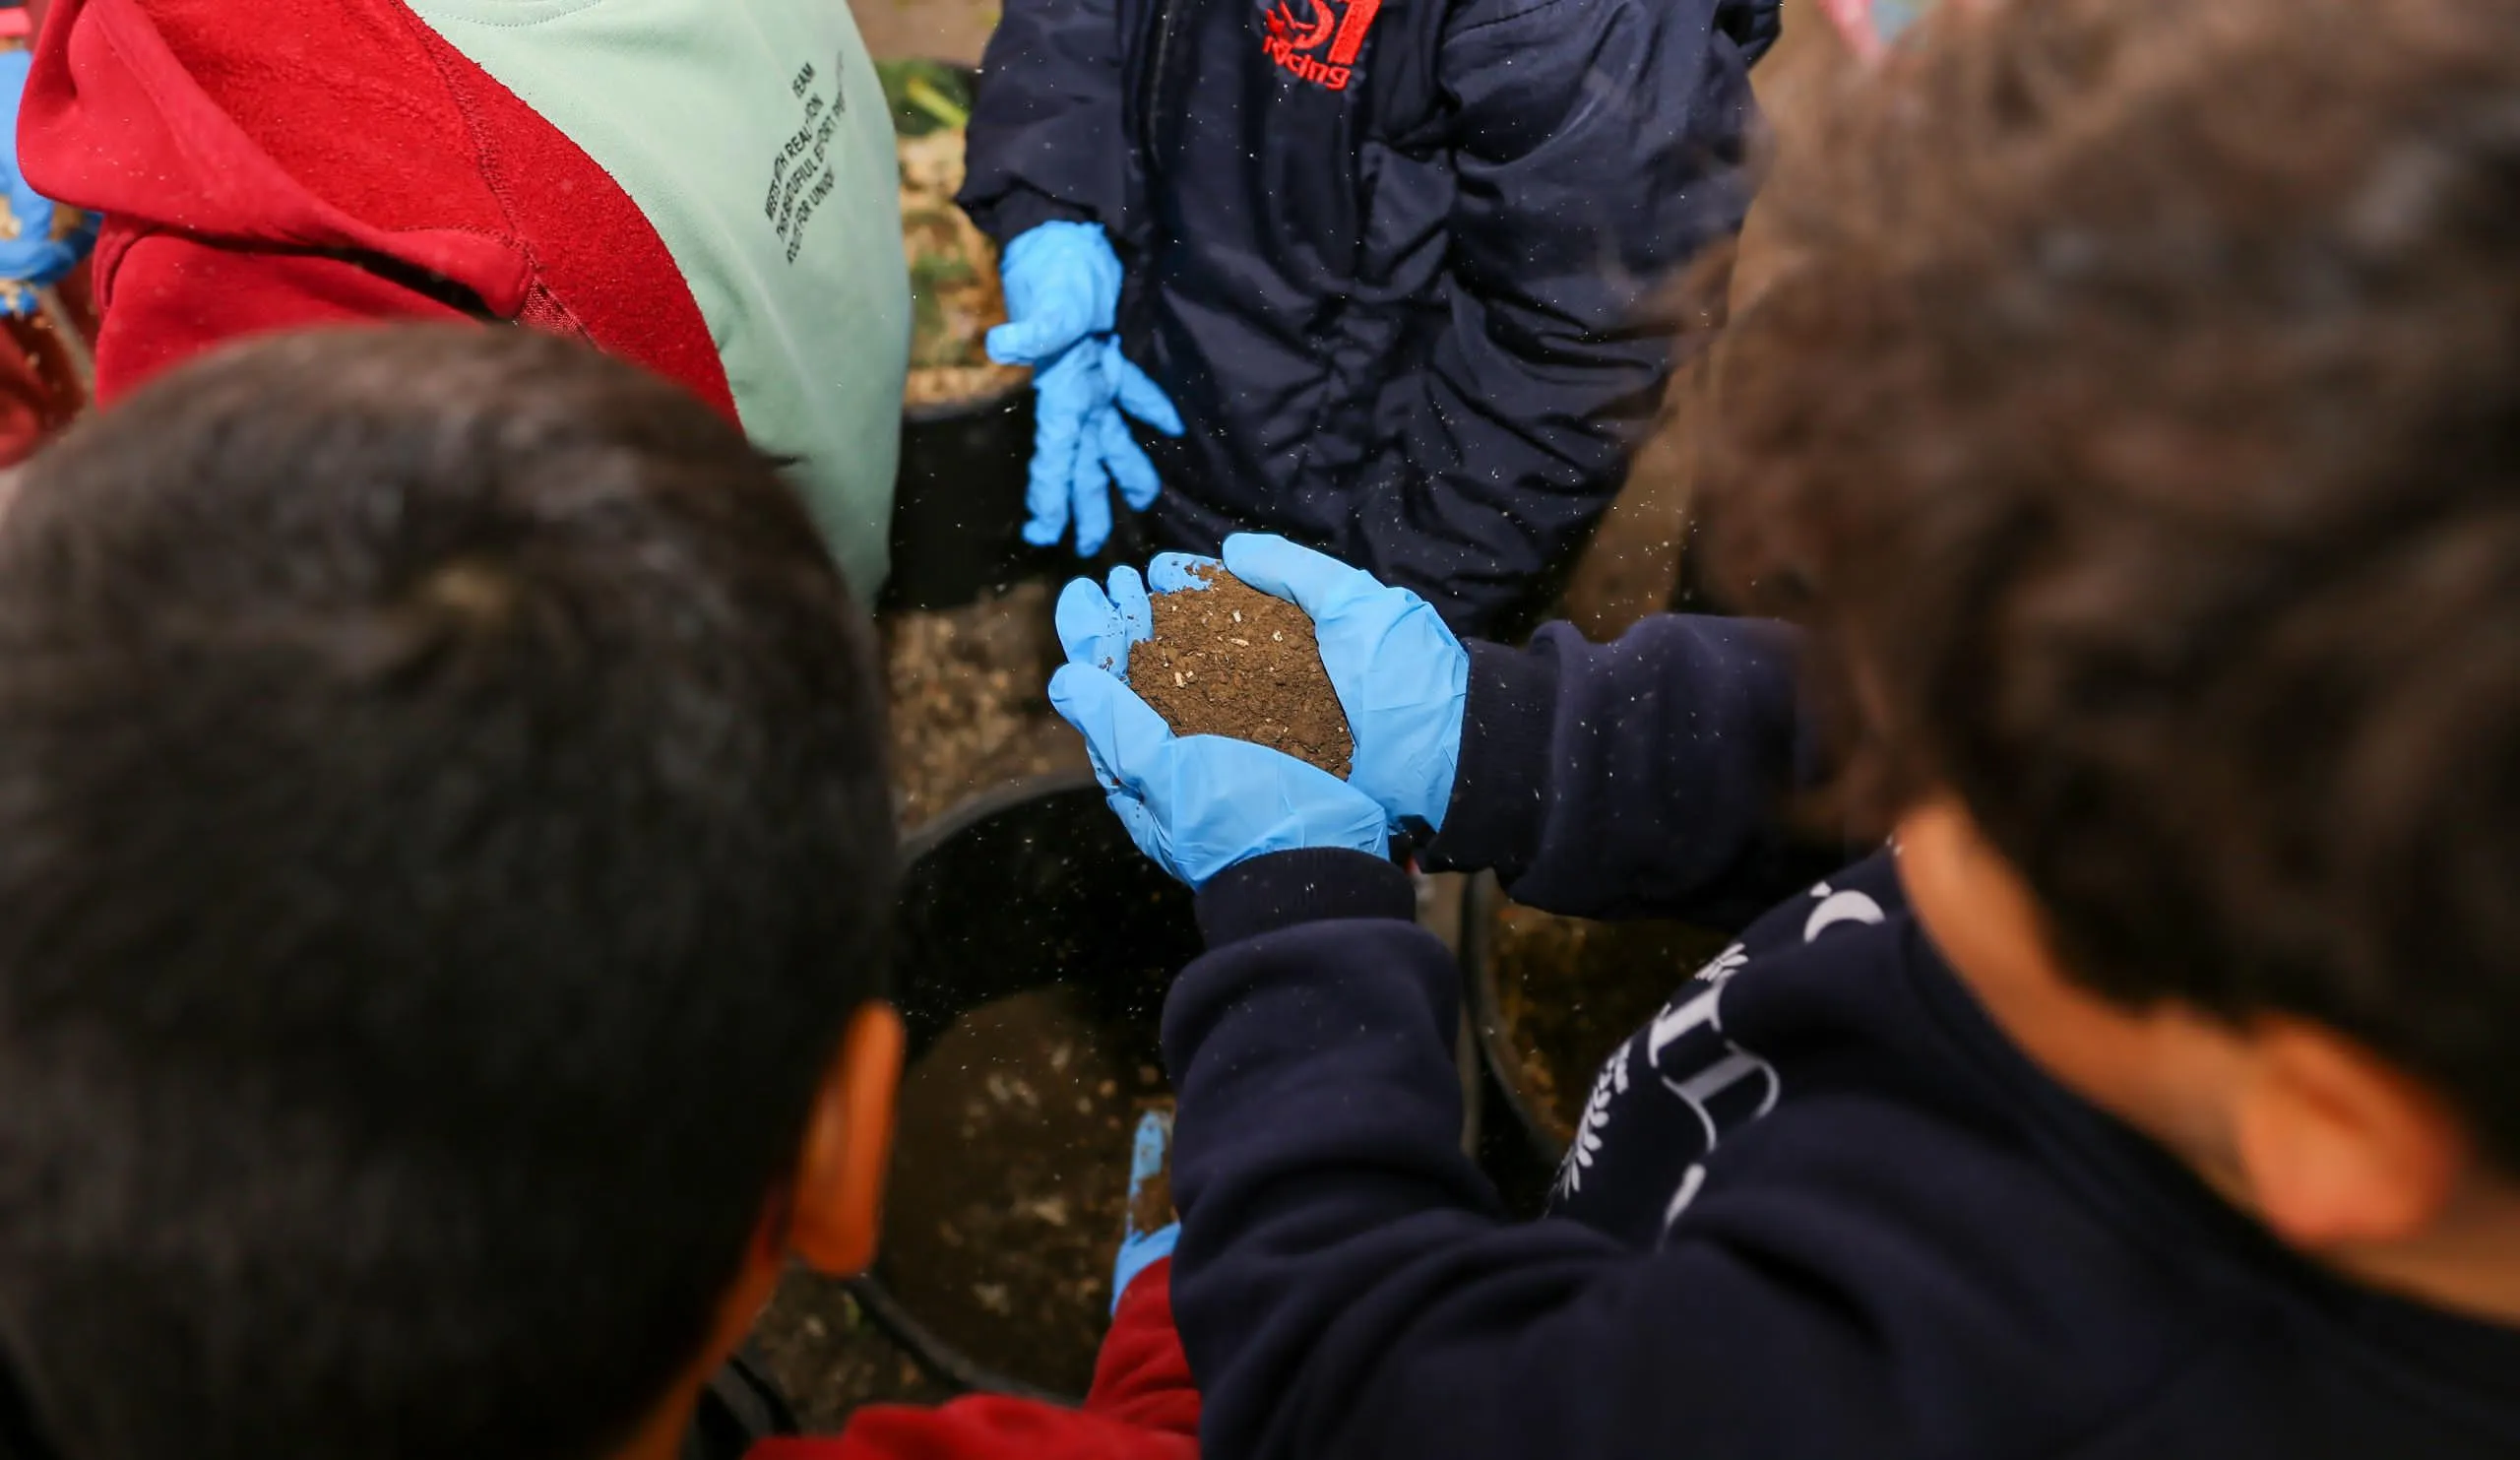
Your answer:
<point x="1321" y="48"/>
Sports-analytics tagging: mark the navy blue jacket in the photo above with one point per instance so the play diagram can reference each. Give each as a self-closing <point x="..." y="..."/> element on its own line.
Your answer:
<point x="1819" y="1208"/>
<point x="1386" y="255"/>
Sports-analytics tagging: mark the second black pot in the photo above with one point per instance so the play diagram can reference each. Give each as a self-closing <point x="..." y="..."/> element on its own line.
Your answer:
<point x="1032" y="886"/>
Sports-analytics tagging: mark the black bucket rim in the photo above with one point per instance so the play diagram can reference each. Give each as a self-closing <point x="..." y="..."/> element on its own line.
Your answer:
<point x="936" y="1355"/>
<point x="930" y="1350"/>
<point x="946" y="412"/>
<point x="917" y="841"/>
<point x="1496" y="1050"/>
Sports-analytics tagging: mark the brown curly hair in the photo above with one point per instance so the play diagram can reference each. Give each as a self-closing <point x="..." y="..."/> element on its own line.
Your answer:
<point x="2136" y="421"/>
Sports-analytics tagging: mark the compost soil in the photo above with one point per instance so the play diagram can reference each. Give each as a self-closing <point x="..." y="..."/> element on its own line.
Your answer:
<point x="1569" y="990"/>
<point x="1010" y="1181"/>
<point x="1230" y="660"/>
<point x="830" y="1357"/>
<point x="970" y="705"/>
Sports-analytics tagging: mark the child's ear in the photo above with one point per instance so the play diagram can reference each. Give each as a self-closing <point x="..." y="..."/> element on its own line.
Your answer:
<point x="2338" y="1146"/>
<point x="838" y="1203"/>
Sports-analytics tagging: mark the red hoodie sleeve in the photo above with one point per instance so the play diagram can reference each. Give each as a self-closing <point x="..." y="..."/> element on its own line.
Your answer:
<point x="1144" y="1407"/>
<point x="167" y="297"/>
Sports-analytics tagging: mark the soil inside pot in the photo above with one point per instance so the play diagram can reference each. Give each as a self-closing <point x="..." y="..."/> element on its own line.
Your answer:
<point x="969" y="711"/>
<point x="830" y="1357"/>
<point x="970" y="699"/>
<point x="1228" y="660"/>
<point x="1569" y="990"/>
<point x="1010" y="1181"/>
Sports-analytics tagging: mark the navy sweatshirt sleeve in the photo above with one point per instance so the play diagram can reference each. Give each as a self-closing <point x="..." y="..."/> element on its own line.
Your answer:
<point x="1646" y="777"/>
<point x="1599" y="144"/>
<point x="1046" y="141"/>
<point x="1347" y="1287"/>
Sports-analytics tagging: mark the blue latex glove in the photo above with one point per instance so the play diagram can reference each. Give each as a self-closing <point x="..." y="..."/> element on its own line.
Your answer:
<point x="33" y="259"/>
<point x="1062" y="282"/>
<point x="1097" y="628"/>
<point x="1149" y="1158"/>
<point x="1062" y="286"/>
<point x="1401" y="676"/>
<point x="1137" y="1254"/>
<point x="1200" y="804"/>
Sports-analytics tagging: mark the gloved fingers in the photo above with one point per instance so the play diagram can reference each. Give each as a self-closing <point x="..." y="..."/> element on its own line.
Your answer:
<point x="1137" y="392"/>
<point x="1173" y="572"/>
<point x="1129" y="595"/>
<point x="1090" y="496"/>
<point x="32" y="210"/>
<point x="1318" y="584"/>
<point x="1046" y="495"/>
<point x="1062" y="282"/>
<point x="1130" y="469"/>
<point x="38" y="263"/>
<point x="1149" y="1148"/>
<point x="1060" y="394"/>
<point x="1091" y="628"/>
<point x="1042" y="334"/>
<point x="1122" y="732"/>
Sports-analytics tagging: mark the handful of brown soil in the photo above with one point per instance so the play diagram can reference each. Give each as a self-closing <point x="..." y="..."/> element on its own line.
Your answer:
<point x="1228" y="660"/>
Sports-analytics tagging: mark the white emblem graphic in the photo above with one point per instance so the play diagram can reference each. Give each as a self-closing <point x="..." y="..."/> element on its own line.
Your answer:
<point x="1609" y="1084"/>
<point x="1839" y="906"/>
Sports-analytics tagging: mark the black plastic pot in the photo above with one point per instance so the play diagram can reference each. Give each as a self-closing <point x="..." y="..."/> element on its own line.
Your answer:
<point x="1534" y="1150"/>
<point x="958" y="507"/>
<point x="958" y="502"/>
<point x="1631" y="966"/>
<point x="958" y="496"/>
<point x="1031" y="886"/>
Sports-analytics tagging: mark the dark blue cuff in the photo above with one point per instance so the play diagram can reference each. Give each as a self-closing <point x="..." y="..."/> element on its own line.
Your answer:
<point x="1500" y="790"/>
<point x="1315" y="885"/>
<point x="1019" y="211"/>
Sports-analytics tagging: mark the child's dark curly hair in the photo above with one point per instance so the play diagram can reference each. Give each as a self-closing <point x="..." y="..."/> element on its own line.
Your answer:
<point x="2136" y="419"/>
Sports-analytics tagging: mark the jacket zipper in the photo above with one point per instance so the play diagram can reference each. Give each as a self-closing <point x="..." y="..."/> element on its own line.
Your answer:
<point x="1151" y="100"/>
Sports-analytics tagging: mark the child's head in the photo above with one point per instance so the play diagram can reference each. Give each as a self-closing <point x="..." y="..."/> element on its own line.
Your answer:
<point x="444" y="851"/>
<point x="2138" y="421"/>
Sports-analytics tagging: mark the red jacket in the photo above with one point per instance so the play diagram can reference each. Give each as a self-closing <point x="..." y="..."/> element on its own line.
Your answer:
<point x="289" y="163"/>
<point x="1142" y="1407"/>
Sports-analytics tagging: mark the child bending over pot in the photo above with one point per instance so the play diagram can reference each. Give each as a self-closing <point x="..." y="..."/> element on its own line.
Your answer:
<point x="445" y="852"/>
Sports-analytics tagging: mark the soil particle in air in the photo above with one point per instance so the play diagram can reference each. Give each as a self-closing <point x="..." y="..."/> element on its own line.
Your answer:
<point x="1010" y="1182"/>
<point x="1570" y="989"/>
<point x="1230" y="660"/>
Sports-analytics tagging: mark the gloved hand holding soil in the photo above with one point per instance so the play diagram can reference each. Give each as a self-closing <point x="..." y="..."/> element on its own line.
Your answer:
<point x="1255" y="756"/>
<point x="1228" y="660"/>
<point x="1276" y="701"/>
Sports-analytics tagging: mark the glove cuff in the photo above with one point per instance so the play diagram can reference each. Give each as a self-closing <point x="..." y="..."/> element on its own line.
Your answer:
<point x="1317" y="884"/>
<point x="1500" y="792"/>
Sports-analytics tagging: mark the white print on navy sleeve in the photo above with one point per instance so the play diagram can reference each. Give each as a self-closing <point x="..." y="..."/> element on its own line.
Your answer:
<point x="1610" y="1082"/>
<point x="1721" y="1085"/>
